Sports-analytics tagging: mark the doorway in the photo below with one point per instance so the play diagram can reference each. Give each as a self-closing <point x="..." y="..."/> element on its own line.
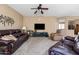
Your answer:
<point x="76" y="29"/>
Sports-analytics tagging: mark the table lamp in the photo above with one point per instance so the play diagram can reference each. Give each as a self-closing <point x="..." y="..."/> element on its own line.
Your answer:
<point x="24" y="29"/>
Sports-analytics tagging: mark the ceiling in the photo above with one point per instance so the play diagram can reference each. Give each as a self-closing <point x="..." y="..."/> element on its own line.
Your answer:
<point x="54" y="9"/>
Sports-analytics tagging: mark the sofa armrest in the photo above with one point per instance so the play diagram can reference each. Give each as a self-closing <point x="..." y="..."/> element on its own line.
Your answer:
<point x="8" y="44"/>
<point x="70" y="38"/>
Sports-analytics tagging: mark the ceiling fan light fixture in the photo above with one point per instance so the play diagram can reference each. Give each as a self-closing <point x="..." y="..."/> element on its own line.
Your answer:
<point x="39" y="8"/>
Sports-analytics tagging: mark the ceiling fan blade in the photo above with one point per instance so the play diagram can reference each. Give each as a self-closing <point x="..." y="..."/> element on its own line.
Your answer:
<point x="44" y="8"/>
<point x="33" y="8"/>
<point x="42" y="12"/>
<point x="35" y="12"/>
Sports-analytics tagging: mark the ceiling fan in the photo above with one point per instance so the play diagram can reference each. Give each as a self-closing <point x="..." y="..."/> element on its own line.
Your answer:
<point x="40" y="8"/>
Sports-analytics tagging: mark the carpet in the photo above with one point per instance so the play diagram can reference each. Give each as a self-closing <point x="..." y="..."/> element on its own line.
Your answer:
<point x="35" y="46"/>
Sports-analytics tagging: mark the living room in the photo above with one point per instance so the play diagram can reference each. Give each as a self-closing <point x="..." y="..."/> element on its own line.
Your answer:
<point x="28" y="29"/>
<point x="24" y="20"/>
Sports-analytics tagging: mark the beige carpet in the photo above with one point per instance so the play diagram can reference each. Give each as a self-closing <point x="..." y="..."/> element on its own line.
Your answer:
<point x="35" y="46"/>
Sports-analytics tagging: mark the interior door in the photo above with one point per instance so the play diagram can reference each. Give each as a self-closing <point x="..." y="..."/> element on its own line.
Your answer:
<point x="77" y="29"/>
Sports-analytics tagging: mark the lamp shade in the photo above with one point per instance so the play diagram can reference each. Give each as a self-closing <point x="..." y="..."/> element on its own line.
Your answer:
<point x="24" y="28"/>
<point x="78" y="33"/>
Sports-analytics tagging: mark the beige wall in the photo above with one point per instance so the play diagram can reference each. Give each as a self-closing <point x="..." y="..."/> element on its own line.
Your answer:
<point x="76" y="22"/>
<point x="7" y="11"/>
<point x="50" y="23"/>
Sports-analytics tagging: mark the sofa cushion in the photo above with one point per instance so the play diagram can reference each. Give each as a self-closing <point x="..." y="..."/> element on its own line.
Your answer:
<point x="22" y="37"/>
<point x="68" y="42"/>
<point x="17" y="34"/>
<point x="70" y="38"/>
<point x="12" y="31"/>
<point x="4" y="32"/>
<point x="62" y="50"/>
<point x="18" y="31"/>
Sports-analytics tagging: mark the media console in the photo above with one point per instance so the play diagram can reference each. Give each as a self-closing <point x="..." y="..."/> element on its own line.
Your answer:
<point x="40" y="34"/>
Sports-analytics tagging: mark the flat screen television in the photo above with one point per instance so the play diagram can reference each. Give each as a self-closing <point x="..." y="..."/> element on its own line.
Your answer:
<point x="39" y="26"/>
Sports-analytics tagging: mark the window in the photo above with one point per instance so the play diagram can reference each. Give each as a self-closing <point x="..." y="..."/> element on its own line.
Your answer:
<point x="61" y="25"/>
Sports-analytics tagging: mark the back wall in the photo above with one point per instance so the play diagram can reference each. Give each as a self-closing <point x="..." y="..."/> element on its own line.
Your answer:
<point x="49" y="21"/>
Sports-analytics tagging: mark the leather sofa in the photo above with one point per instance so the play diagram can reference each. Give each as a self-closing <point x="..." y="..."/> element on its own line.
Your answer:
<point x="12" y="46"/>
<point x="67" y="46"/>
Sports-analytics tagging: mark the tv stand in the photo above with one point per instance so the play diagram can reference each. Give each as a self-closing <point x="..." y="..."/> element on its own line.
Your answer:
<point x="40" y="34"/>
